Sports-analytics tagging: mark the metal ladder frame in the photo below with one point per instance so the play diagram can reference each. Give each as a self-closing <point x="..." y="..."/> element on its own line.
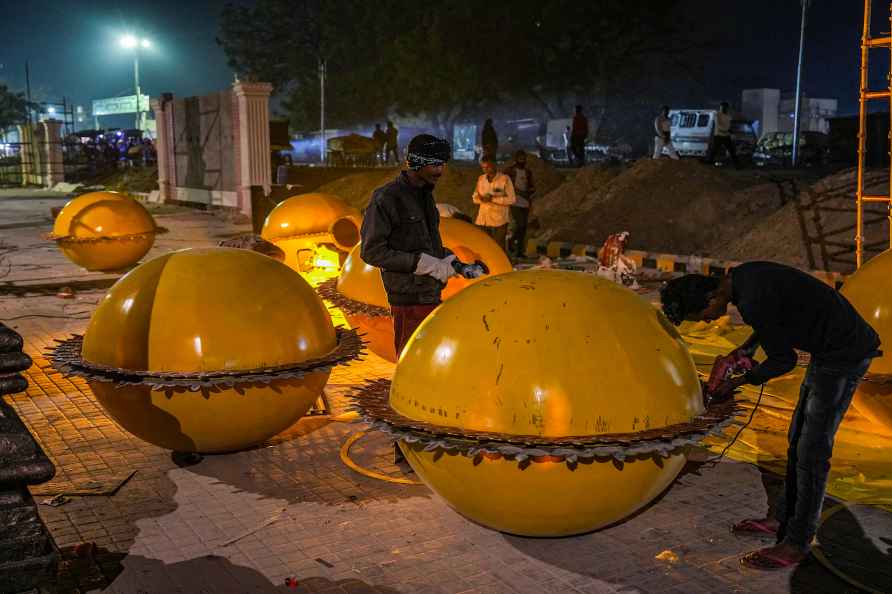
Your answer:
<point x="865" y="95"/>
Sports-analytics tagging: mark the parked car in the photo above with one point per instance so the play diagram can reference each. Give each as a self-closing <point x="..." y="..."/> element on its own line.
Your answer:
<point x="776" y="149"/>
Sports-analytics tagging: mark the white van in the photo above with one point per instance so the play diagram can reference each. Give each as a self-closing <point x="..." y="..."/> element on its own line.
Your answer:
<point x="692" y="131"/>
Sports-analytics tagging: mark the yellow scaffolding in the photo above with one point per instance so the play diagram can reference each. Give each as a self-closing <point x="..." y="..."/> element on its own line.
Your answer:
<point x="868" y="43"/>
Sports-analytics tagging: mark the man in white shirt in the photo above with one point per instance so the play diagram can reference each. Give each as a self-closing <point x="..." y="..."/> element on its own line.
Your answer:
<point x="495" y="195"/>
<point x="663" y="138"/>
<point x="722" y="136"/>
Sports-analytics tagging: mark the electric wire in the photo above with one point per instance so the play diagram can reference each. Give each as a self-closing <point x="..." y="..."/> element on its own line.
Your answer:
<point x="716" y="459"/>
<point x="51" y="316"/>
<point x="345" y="458"/>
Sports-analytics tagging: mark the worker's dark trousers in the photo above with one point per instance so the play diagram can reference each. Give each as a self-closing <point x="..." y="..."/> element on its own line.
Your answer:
<point x="577" y="149"/>
<point x="520" y="216"/>
<point x="719" y="142"/>
<point x="499" y="234"/>
<point x="824" y="397"/>
<point x="406" y="318"/>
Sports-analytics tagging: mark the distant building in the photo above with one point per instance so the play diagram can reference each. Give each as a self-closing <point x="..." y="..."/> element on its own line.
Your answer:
<point x="761" y="106"/>
<point x="772" y="111"/>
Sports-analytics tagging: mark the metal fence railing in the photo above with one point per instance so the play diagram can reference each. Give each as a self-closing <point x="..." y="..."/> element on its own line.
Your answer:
<point x="42" y="164"/>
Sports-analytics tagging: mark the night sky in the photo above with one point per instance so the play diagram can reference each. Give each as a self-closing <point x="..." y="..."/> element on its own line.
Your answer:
<point x="73" y="47"/>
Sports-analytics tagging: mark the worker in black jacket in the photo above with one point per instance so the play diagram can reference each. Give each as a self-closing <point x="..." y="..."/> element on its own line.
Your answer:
<point x="788" y="310"/>
<point x="401" y="236"/>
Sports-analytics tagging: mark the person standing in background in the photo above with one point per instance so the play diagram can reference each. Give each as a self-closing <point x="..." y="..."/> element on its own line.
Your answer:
<point x="578" y="136"/>
<point x="495" y="194"/>
<point x="521" y="177"/>
<point x="722" y="136"/>
<point x="489" y="140"/>
<point x="380" y="140"/>
<point x="391" y="143"/>
<point x="663" y="137"/>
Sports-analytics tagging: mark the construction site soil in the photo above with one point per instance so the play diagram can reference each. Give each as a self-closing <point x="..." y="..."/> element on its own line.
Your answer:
<point x="455" y="187"/>
<point x="805" y="218"/>
<point x="127" y="179"/>
<point x="816" y="228"/>
<point x="681" y="207"/>
<point x="686" y="207"/>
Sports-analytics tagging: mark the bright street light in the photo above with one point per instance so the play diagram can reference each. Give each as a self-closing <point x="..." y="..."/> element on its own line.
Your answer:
<point x="131" y="42"/>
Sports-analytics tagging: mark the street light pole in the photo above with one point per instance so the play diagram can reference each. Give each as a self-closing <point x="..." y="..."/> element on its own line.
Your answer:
<point x="131" y="42"/>
<point x="136" y="84"/>
<point x="796" y="112"/>
<point x="321" y="111"/>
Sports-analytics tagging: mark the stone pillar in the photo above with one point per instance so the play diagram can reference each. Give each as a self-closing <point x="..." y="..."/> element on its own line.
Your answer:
<point x="252" y="140"/>
<point x="53" y="157"/>
<point x="26" y="152"/>
<point x="164" y="146"/>
<point x="38" y="155"/>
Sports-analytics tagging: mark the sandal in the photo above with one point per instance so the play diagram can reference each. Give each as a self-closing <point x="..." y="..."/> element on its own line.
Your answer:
<point x="753" y="527"/>
<point x="764" y="561"/>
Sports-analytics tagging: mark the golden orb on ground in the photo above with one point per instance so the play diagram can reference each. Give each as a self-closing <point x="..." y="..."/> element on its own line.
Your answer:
<point x="365" y="302"/>
<point x="104" y="231"/>
<point x="538" y="366"/>
<point x="870" y="291"/>
<point x="209" y="350"/>
<point x="300" y="224"/>
<point x="469" y="243"/>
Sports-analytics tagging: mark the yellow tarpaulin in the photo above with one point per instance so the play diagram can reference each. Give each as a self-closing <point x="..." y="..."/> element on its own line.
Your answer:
<point x="861" y="468"/>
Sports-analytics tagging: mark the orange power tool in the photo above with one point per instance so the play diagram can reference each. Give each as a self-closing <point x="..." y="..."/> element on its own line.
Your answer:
<point x="724" y="369"/>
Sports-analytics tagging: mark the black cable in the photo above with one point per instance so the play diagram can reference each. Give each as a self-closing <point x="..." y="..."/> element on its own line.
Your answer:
<point x="69" y="317"/>
<point x="715" y="459"/>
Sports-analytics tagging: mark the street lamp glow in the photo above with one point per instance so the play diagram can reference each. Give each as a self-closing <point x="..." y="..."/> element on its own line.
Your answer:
<point x="129" y="41"/>
<point x="52" y="110"/>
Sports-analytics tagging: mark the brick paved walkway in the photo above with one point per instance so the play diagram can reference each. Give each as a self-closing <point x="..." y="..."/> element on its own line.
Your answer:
<point x="247" y="522"/>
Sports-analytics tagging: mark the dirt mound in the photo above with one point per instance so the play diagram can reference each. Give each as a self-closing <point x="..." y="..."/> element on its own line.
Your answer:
<point x="575" y="197"/>
<point x="816" y="228"/>
<point x="681" y="207"/>
<point x="356" y="189"/>
<point x="455" y="187"/>
<point x="130" y="179"/>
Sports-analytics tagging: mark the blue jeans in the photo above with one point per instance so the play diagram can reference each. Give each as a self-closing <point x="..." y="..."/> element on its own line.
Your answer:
<point x="824" y="397"/>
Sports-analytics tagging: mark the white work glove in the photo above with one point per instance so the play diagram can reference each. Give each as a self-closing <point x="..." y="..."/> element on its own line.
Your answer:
<point x="439" y="268"/>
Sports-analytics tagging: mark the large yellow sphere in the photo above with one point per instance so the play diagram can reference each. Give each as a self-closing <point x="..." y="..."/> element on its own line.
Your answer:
<point x="546" y="354"/>
<point x="870" y="291"/>
<point x="362" y="283"/>
<point x="469" y="243"/>
<point x="104" y="231"/>
<point x="300" y="223"/>
<point x="202" y="310"/>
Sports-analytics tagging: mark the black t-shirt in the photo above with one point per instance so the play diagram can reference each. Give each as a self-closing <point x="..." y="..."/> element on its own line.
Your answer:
<point x="790" y="309"/>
